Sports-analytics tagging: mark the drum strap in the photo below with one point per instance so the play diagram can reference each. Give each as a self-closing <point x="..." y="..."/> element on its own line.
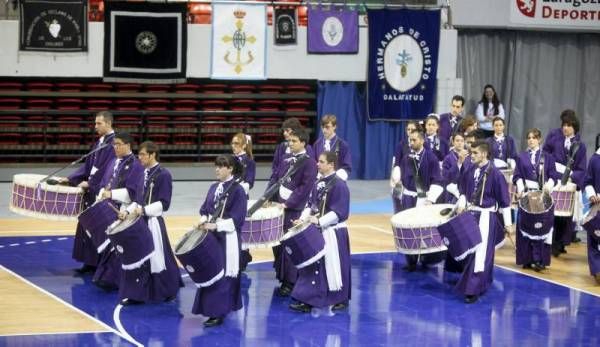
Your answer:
<point x="221" y="202"/>
<point x="478" y="192"/>
<point x="148" y="187"/>
<point x="123" y="165"/>
<point x="418" y="182"/>
<point x="570" y="160"/>
<point x="323" y="198"/>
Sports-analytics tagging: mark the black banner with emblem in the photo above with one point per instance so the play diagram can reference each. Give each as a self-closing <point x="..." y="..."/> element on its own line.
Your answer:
<point x="285" y="26"/>
<point x="53" y="26"/>
<point x="145" y="42"/>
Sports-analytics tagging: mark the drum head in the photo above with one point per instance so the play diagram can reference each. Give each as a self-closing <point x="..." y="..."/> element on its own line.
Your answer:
<point x="421" y="216"/>
<point x="190" y="240"/>
<point x="122" y="225"/>
<point x="536" y="202"/>
<point x="295" y="230"/>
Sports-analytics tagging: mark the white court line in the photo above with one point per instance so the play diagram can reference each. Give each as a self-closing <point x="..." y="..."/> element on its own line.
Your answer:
<point x="30" y="242"/>
<point x="62" y="238"/>
<point x="385" y="231"/>
<point x="117" y="320"/>
<point x="547" y="280"/>
<point x="46" y="240"/>
<point x="74" y="308"/>
<point x="13" y="244"/>
<point x="60" y="333"/>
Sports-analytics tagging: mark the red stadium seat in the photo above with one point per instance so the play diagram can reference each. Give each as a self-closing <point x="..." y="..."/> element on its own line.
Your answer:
<point x="69" y="87"/>
<point x="159" y="139"/>
<point x="156" y="104"/>
<point x="199" y="13"/>
<point x="297" y="105"/>
<point x="38" y="86"/>
<point x="185" y="104"/>
<point x="270" y="88"/>
<point x="10" y="139"/>
<point x="241" y="104"/>
<point x="128" y="87"/>
<point x="214" y="88"/>
<point x="128" y="105"/>
<point x="35" y="139"/>
<point x="10" y="121"/>
<point x="214" y="105"/>
<point x="99" y="87"/>
<point x="212" y="139"/>
<point x="68" y="122"/>
<point x="185" y="122"/>
<point x="10" y="103"/>
<point x="269" y="105"/>
<point x="33" y="104"/>
<point x="6" y="86"/>
<point x="297" y="88"/>
<point x="185" y="139"/>
<point x="98" y="104"/>
<point x="36" y="121"/>
<point x="157" y="88"/>
<point x="186" y="88"/>
<point x="69" y="139"/>
<point x="69" y="104"/>
<point x="158" y="121"/>
<point x="242" y="88"/>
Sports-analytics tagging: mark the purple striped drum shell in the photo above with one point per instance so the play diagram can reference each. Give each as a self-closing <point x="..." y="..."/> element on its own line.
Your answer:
<point x="202" y="256"/>
<point x="536" y="214"/>
<point x="461" y="235"/>
<point x="304" y="243"/>
<point x="264" y="228"/>
<point x="44" y="201"/>
<point x="564" y="199"/>
<point x="133" y="241"/>
<point x="591" y="222"/>
<point x="96" y="219"/>
<point x="415" y="229"/>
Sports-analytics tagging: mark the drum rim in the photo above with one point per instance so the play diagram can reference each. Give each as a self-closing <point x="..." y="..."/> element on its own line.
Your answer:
<point x="20" y="180"/>
<point x="295" y="230"/>
<point x="185" y="237"/>
<point x="126" y="223"/>
<point x="429" y="224"/>
<point x="550" y="208"/>
<point x="263" y="213"/>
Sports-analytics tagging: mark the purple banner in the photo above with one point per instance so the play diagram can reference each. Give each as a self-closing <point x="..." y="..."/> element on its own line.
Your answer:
<point x="332" y="31"/>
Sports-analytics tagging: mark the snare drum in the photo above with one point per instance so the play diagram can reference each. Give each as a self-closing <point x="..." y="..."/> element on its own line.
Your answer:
<point x="564" y="199"/>
<point x="461" y="235"/>
<point x="202" y="257"/>
<point x="54" y="202"/>
<point x="264" y="228"/>
<point x="591" y="222"/>
<point x="133" y="241"/>
<point x="304" y="243"/>
<point x="536" y="214"/>
<point x="415" y="229"/>
<point x="96" y="219"/>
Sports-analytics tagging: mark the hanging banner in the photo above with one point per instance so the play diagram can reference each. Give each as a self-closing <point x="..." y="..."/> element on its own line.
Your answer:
<point x="145" y="42"/>
<point x="583" y="14"/>
<point x="53" y="26"/>
<point x="285" y="26"/>
<point x="239" y="41"/>
<point x="403" y="55"/>
<point x="332" y="31"/>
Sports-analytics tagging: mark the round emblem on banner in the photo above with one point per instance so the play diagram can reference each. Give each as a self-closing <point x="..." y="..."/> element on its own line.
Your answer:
<point x="145" y="42"/>
<point x="403" y="63"/>
<point x="332" y="31"/>
<point x="446" y="241"/>
<point x="120" y="249"/>
<point x="538" y="225"/>
<point x="189" y="268"/>
<point x="54" y="28"/>
<point x="288" y="250"/>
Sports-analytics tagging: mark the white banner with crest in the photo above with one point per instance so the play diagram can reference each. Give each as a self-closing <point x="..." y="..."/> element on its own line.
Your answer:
<point x="239" y="41"/>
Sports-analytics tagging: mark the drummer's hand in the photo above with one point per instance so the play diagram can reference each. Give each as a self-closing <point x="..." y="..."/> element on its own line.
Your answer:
<point x="509" y="229"/>
<point x="428" y="202"/>
<point x="296" y="221"/>
<point x="84" y="184"/>
<point x="64" y="180"/>
<point x="519" y="195"/>
<point x="138" y="211"/>
<point x="314" y="220"/>
<point x="595" y="199"/>
<point x="123" y="215"/>
<point x="107" y="194"/>
<point x="210" y="226"/>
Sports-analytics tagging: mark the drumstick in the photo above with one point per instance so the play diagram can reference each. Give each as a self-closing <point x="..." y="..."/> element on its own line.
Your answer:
<point x="511" y="239"/>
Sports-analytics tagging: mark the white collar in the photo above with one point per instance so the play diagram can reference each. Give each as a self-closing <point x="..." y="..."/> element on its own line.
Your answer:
<point x="598" y="151"/>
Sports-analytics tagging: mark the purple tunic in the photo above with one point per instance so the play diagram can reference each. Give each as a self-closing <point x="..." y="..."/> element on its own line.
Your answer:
<point x="300" y="184"/>
<point x="503" y="149"/>
<point x="311" y="286"/>
<point x="225" y="295"/>
<point x="129" y="175"/>
<point x="340" y="147"/>
<point x="446" y="125"/>
<point x="83" y="249"/>
<point x="282" y="152"/>
<point x="495" y="193"/>
<point x="438" y="146"/>
<point x="531" y="251"/>
<point x="429" y="171"/>
<point x="564" y="227"/>
<point x="592" y="178"/>
<point x="165" y="284"/>
<point x="450" y="174"/>
<point x="249" y="169"/>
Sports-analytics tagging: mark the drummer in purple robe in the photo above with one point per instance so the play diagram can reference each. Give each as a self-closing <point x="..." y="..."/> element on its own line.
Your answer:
<point x="421" y="185"/>
<point x="569" y="154"/>
<point x="293" y="194"/>
<point x="485" y="189"/>
<point x="450" y="121"/>
<point x="283" y="151"/>
<point x="241" y="146"/>
<point x="451" y="167"/>
<point x="535" y="171"/>
<point x="158" y="278"/>
<point x="401" y="149"/>
<point x="218" y="299"/>
<point x="123" y="184"/>
<point x="326" y="283"/>
<point x="330" y="141"/>
<point x="433" y="141"/>
<point x="557" y="131"/>
<point x="89" y="177"/>
<point x="503" y="149"/>
<point x="592" y="190"/>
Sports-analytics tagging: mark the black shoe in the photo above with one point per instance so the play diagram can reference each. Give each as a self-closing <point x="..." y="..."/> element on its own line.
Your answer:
<point x="170" y="298"/>
<point x="213" y="322"/>
<point x="563" y="250"/>
<point x="597" y="277"/>
<point x="85" y="269"/>
<point x="410" y="267"/>
<point x="527" y="266"/>
<point x="105" y="285"/>
<point x="537" y="267"/>
<point x="556" y="252"/>
<point x="340" y="306"/>
<point x="300" y="307"/>
<point x="129" y="302"/>
<point x="576" y="239"/>
<point x="284" y="290"/>
<point x="470" y="299"/>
